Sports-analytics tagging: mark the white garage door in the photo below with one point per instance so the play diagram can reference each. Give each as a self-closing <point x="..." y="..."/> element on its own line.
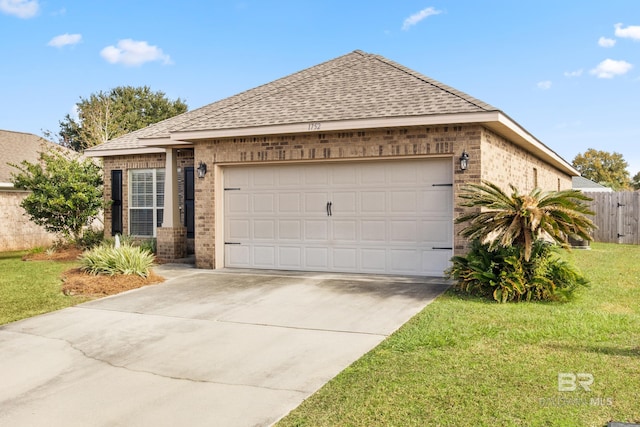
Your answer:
<point x="392" y="217"/>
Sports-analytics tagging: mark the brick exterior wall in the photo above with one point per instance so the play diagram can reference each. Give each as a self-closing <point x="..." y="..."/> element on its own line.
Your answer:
<point x="139" y="161"/>
<point x="17" y="231"/>
<point x="505" y="163"/>
<point x="491" y="157"/>
<point x="424" y="142"/>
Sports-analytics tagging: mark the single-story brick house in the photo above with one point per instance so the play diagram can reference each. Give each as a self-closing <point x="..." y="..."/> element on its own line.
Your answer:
<point x="353" y="165"/>
<point x="17" y="231"/>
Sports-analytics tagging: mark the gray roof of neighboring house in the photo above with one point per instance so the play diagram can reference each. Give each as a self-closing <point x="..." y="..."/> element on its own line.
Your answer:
<point x="358" y="85"/>
<point x="586" y="185"/>
<point x="15" y="147"/>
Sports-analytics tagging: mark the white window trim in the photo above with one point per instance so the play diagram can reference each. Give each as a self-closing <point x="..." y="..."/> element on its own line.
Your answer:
<point x="155" y="207"/>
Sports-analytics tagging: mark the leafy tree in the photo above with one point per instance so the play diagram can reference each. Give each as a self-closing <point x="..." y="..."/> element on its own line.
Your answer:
<point x="522" y="219"/>
<point x="635" y="181"/>
<point x="608" y="169"/>
<point x="66" y="193"/>
<point x="107" y="115"/>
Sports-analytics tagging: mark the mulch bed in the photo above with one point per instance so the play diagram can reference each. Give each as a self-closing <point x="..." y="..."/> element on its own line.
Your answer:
<point x="77" y="282"/>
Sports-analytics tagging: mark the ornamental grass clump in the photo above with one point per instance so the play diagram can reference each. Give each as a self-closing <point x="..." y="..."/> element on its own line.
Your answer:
<point x="109" y="260"/>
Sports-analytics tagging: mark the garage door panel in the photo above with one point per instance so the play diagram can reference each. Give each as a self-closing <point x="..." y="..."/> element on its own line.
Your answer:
<point x="401" y="175"/>
<point x="436" y="202"/>
<point x="314" y="177"/>
<point x="373" y="231"/>
<point x="264" y="256"/>
<point x="344" y="175"/>
<point x="316" y="230"/>
<point x="236" y="178"/>
<point x="290" y="229"/>
<point x="433" y="172"/>
<point x="345" y="231"/>
<point x="344" y="202"/>
<point x="316" y="258"/>
<point x="404" y="202"/>
<point x="238" y="256"/>
<point x="238" y="203"/>
<point x="262" y="178"/>
<point x="406" y="261"/>
<point x="373" y="260"/>
<point x="264" y="203"/>
<point x="239" y="229"/>
<point x="345" y="259"/>
<point x="264" y="229"/>
<point x="435" y="233"/>
<point x="289" y="203"/>
<point x="433" y="262"/>
<point x="372" y="202"/>
<point x="289" y="177"/>
<point x="403" y="231"/>
<point x="315" y="203"/>
<point x="371" y="175"/>
<point x="290" y="257"/>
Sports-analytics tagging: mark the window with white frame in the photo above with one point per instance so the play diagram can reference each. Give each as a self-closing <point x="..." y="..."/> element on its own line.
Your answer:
<point x="146" y="201"/>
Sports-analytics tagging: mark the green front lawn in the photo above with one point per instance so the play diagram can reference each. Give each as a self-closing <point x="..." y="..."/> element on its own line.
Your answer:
<point x="469" y="362"/>
<point x="28" y="288"/>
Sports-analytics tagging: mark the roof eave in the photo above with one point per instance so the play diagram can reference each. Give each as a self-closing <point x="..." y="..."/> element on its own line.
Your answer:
<point x="510" y="129"/>
<point x="122" y="151"/>
<point x="335" y="125"/>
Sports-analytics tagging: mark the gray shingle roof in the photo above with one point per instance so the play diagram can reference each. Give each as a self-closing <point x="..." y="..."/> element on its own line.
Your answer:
<point x="584" y="184"/>
<point x="16" y="147"/>
<point x="354" y="86"/>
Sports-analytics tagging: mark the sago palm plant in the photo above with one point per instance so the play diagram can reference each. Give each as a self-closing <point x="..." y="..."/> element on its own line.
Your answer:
<point x="521" y="219"/>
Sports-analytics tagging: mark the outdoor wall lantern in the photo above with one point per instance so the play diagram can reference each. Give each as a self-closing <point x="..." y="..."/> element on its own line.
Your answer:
<point x="202" y="170"/>
<point x="464" y="161"/>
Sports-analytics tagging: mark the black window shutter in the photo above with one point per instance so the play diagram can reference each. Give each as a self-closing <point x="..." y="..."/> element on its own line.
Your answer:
<point x="116" y="202"/>
<point x="189" y="197"/>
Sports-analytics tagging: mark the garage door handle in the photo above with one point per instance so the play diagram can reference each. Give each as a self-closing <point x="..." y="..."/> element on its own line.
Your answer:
<point x="329" y="204"/>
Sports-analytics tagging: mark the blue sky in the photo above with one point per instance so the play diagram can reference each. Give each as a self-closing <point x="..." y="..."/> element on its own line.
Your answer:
<point x="567" y="71"/>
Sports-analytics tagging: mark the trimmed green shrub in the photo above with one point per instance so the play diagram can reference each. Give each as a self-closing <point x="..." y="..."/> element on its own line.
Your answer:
<point x="149" y="245"/>
<point x="127" y="259"/>
<point x="91" y="238"/>
<point x="503" y="275"/>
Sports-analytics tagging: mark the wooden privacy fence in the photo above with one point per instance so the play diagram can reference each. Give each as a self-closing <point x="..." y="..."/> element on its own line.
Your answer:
<point x="617" y="216"/>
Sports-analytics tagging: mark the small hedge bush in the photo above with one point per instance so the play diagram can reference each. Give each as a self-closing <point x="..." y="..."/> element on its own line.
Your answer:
<point x="126" y="259"/>
<point x="503" y="275"/>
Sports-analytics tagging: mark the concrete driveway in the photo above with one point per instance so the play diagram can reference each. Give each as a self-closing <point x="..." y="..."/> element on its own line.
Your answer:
<point x="223" y="348"/>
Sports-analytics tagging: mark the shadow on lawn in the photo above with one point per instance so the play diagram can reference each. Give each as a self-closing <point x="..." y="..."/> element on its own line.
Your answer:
<point x="609" y="351"/>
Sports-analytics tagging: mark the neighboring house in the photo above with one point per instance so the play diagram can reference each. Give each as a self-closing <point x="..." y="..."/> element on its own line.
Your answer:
<point x="587" y="186"/>
<point x="353" y="165"/>
<point x="17" y="231"/>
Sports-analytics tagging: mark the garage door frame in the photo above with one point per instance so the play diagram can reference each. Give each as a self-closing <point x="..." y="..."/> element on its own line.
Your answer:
<point x="219" y="191"/>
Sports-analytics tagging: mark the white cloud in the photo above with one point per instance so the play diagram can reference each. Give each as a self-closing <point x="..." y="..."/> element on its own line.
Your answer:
<point x="20" y="8"/>
<point x="417" y="17"/>
<point x="605" y="42"/>
<point x="133" y="53"/>
<point x="576" y="73"/>
<point x="65" y="39"/>
<point x="610" y="68"/>
<point x="631" y="32"/>
<point x="544" y="85"/>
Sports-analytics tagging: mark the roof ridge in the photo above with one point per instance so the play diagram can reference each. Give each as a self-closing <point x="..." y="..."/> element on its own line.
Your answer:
<point x="435" y="83"/>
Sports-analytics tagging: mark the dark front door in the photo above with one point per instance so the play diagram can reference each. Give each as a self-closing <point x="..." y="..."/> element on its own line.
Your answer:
<point x="189" y="206"/>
